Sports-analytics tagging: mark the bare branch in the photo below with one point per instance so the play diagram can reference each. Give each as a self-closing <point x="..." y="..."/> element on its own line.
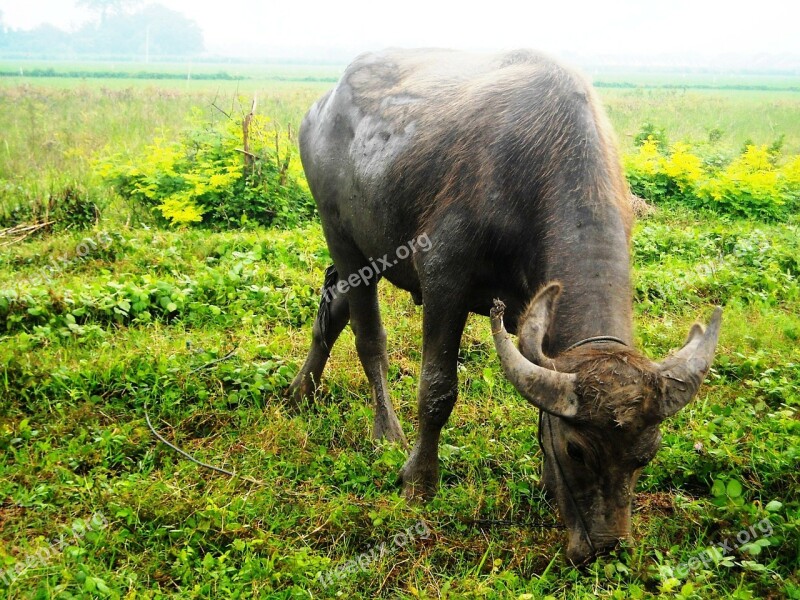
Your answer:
<point x="21" y="232"/>
<point x="248" y="156"/>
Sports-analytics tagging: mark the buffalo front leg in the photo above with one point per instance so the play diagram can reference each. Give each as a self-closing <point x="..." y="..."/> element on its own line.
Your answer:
<point x="332" y="317"/>
<point x="438" y="389"/>
<point x="365" y="319"/>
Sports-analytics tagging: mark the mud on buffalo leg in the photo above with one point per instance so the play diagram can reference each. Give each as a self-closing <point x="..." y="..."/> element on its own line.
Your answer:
<point x="442" y="327"/>
<point x="332" y="317"/>
<point x="365" y="319"/>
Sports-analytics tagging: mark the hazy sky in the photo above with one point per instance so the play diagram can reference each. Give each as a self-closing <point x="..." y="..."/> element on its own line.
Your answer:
<point x="591" y="28"/>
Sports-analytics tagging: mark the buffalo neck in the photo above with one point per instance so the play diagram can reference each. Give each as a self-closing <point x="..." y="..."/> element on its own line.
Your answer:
<point x="586" y="248"/>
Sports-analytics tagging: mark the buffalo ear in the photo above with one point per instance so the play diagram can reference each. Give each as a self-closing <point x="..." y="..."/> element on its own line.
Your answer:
<point x="682" y="373"/>
<point x="535" y="321"/>
<point x="548" y="390"/>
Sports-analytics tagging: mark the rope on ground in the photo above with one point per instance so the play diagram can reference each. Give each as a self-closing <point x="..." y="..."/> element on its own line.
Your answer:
<point x="185" y="454"/>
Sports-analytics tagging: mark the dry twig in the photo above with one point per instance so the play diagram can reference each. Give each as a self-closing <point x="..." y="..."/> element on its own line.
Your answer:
<point x="21" y="232"/>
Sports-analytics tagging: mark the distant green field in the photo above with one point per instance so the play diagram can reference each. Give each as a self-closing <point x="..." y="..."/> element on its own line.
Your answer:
<point x="668" y="78"/>
<point x="270" y="70"/>
<point x="754" y="107"/>
<point x="235" y="69"/>
<point x="690" y="115"/>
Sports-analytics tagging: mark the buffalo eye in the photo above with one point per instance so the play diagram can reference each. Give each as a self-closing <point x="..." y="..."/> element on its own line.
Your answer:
<point x="574" y="452"/>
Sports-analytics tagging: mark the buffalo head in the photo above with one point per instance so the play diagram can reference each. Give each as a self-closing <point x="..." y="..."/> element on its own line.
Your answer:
<point x="601" y="403"/>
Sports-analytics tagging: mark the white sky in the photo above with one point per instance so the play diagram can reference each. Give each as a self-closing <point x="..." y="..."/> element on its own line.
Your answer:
<point x="576" y="27"/>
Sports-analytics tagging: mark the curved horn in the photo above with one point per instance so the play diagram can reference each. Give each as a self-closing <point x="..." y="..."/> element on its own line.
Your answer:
<point x="685" y="370"/>
<point x="534" y="322"/>
<point x="548" y="390"/>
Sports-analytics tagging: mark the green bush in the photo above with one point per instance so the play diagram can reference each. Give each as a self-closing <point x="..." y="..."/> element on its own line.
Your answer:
<point x="229" y="294"/>
<point x="69" y="205"/>
<point x="728" y="265"/>
<point x="650" y="132"/>
<point x="205" y="177"/>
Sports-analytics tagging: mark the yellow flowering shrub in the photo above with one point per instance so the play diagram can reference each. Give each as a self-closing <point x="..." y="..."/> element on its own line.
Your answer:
<point x="751" y="185"/>
<point x="659" y="178"/>
<point x="203" y="176"/>
<point x="682" y="166"/>
<point x="647" y="161"/>
<point x="181" y="210"/>
<point x="791" y="172"/>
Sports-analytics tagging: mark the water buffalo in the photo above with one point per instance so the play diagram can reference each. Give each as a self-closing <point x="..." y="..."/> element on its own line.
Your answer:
<point x="507" y="166"/>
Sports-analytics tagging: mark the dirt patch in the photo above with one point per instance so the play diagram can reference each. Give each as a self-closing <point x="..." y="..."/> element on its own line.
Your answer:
<point x="650" y="504"/>
<point x="9" y="512"/>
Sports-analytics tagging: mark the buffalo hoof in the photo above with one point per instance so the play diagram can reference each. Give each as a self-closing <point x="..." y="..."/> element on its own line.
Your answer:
<point x="390" y="430"/>
<point x="300" y="394"/>
<point x="420" y="482"/>
<point x="302" y="388"/>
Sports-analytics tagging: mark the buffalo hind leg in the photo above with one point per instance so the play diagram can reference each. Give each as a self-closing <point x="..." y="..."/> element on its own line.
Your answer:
<point x="365" y="319"/>
<point x="332" y="317"/>
<point x="442" y="327"/>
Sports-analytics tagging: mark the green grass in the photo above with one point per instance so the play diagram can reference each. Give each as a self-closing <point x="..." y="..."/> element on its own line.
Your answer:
<point x="758" y="116"/>
<point x="205" y="330"/>
<point x="76" y="442"/>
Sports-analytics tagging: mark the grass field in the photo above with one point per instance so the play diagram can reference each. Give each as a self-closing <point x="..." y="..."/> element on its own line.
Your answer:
<point x="204" y="329"/>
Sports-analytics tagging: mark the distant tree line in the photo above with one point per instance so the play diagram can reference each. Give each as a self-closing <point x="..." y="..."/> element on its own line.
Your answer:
<point x="149" y="32"/>
<point x="124" y="74"/>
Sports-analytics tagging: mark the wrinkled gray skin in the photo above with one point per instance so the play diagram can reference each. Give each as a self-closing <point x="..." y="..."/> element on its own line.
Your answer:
<point x="507" y="164"/>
